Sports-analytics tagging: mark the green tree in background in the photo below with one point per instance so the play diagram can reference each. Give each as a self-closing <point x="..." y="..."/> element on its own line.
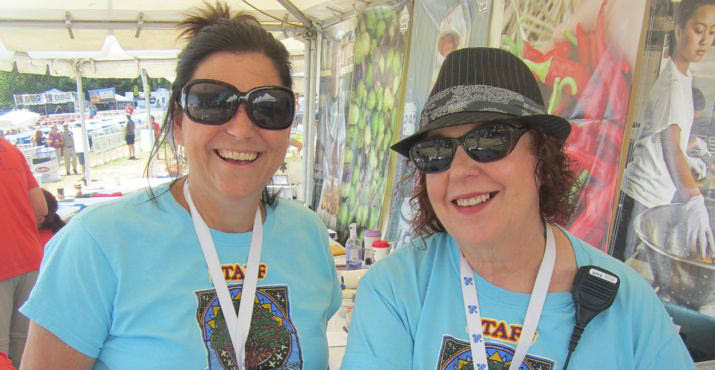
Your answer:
<point x="24" y="83"/>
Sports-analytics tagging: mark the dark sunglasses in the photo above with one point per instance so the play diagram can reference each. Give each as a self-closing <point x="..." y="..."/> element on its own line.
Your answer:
<point x="486" y="143"/>
<point x="214" y="103"/>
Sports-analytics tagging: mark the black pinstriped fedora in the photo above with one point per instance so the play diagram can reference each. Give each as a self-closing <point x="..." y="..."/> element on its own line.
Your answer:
<point x="483" y="84"/>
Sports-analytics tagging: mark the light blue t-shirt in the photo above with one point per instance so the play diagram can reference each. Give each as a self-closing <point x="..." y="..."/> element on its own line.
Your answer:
<point x="409" y="315"/>
<point x="126" y="282"/>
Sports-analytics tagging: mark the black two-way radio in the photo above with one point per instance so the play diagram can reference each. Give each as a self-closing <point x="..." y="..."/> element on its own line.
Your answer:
<point x="594" y="290"/>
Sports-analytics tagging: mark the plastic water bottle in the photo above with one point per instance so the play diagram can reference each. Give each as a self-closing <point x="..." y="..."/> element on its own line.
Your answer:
<point x="352" y="250"/>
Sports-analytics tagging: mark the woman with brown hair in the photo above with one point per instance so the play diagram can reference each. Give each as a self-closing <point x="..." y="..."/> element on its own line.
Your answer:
<point x="494" y="282"/>
<point x="38" y="139"/>
<point x="210" y="271"/>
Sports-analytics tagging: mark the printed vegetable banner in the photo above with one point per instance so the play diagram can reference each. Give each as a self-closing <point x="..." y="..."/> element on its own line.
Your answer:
<point x="378" y="58"/>
<point x="582" y="53"/>
<point x="667" y="201"/>
<point x="333" y="103"/>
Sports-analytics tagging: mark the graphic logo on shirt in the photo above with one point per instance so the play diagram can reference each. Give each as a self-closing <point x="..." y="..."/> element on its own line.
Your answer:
<point x="272" y="340"/>
<point x="502" y="331"/>
<point x="456" y="354"/>
<point x="237" y="271"/>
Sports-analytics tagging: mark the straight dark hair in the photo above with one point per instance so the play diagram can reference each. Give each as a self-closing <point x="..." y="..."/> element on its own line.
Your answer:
<point x="211" y="29"/>
<point x="682" y="13"/>
<point x="52" y="221"/>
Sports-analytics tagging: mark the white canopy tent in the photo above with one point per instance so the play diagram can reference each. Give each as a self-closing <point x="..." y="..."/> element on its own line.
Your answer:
<point x="130" y="38"/>
<point x="121" y="98"/>
<point x="109" y="38"/>
<point x="18" y="119"/>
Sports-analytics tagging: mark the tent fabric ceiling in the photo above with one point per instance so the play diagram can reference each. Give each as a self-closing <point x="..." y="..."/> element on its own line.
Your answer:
<point x="36" y="36"/>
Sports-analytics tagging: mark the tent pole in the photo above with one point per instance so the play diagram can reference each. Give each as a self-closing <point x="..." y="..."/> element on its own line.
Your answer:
<point x="292" y="9"/>
<point x="147" y="99"/>
<point x="310" y="139"/>
<point x="80" y="95"/>
<point x="307" y="107"/>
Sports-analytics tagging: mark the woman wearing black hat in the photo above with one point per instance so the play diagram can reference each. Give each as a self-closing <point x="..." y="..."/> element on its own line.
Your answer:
<point x="493" y="270"/>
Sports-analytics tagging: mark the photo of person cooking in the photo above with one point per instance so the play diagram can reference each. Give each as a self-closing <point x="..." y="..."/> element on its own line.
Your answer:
<point x="661" y="172"/>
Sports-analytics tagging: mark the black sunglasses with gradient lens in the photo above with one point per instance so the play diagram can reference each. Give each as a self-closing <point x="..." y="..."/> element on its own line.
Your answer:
<point x="215" y="102"/>
<point x="486" y="143"/>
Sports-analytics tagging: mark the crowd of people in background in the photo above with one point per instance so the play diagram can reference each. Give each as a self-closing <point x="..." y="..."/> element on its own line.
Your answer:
<point x="62" y="135"/>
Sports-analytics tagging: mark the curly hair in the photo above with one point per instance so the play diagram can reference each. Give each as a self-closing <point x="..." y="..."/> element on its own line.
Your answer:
<point x="553" y="172"/>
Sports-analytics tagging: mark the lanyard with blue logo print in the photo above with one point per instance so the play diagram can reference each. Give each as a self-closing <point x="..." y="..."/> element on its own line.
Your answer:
<point x="533" y="312"/>
<point x="237" y="325"/>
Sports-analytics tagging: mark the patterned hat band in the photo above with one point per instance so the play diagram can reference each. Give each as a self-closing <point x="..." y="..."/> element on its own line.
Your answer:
<point x="477" y="98"/>
<point x="476" y="85"/>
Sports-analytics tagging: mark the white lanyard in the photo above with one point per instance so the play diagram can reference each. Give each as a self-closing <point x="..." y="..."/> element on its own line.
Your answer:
<point x="238" y="326"/>
<point x="536" y="303"/>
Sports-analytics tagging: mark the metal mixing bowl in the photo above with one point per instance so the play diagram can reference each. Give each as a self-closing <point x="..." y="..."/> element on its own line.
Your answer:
<point x="687" y="281"/>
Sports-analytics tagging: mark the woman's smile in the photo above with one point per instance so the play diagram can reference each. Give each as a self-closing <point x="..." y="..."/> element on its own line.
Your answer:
<point x="473" y="200"/>
<point x="237" y="156"/>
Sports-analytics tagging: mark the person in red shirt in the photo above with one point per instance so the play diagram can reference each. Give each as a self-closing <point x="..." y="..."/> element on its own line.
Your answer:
<point x="155" y="127"/>
<point x="23" y="208"/>
<point x="56" y="140"/>
<point x="5" y="363"/>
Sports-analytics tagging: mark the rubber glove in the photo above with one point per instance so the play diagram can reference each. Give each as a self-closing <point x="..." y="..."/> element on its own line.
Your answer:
<point x="700" y="236"/>
<point x="698" y="167"/>
<point x="699" y="148"/>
